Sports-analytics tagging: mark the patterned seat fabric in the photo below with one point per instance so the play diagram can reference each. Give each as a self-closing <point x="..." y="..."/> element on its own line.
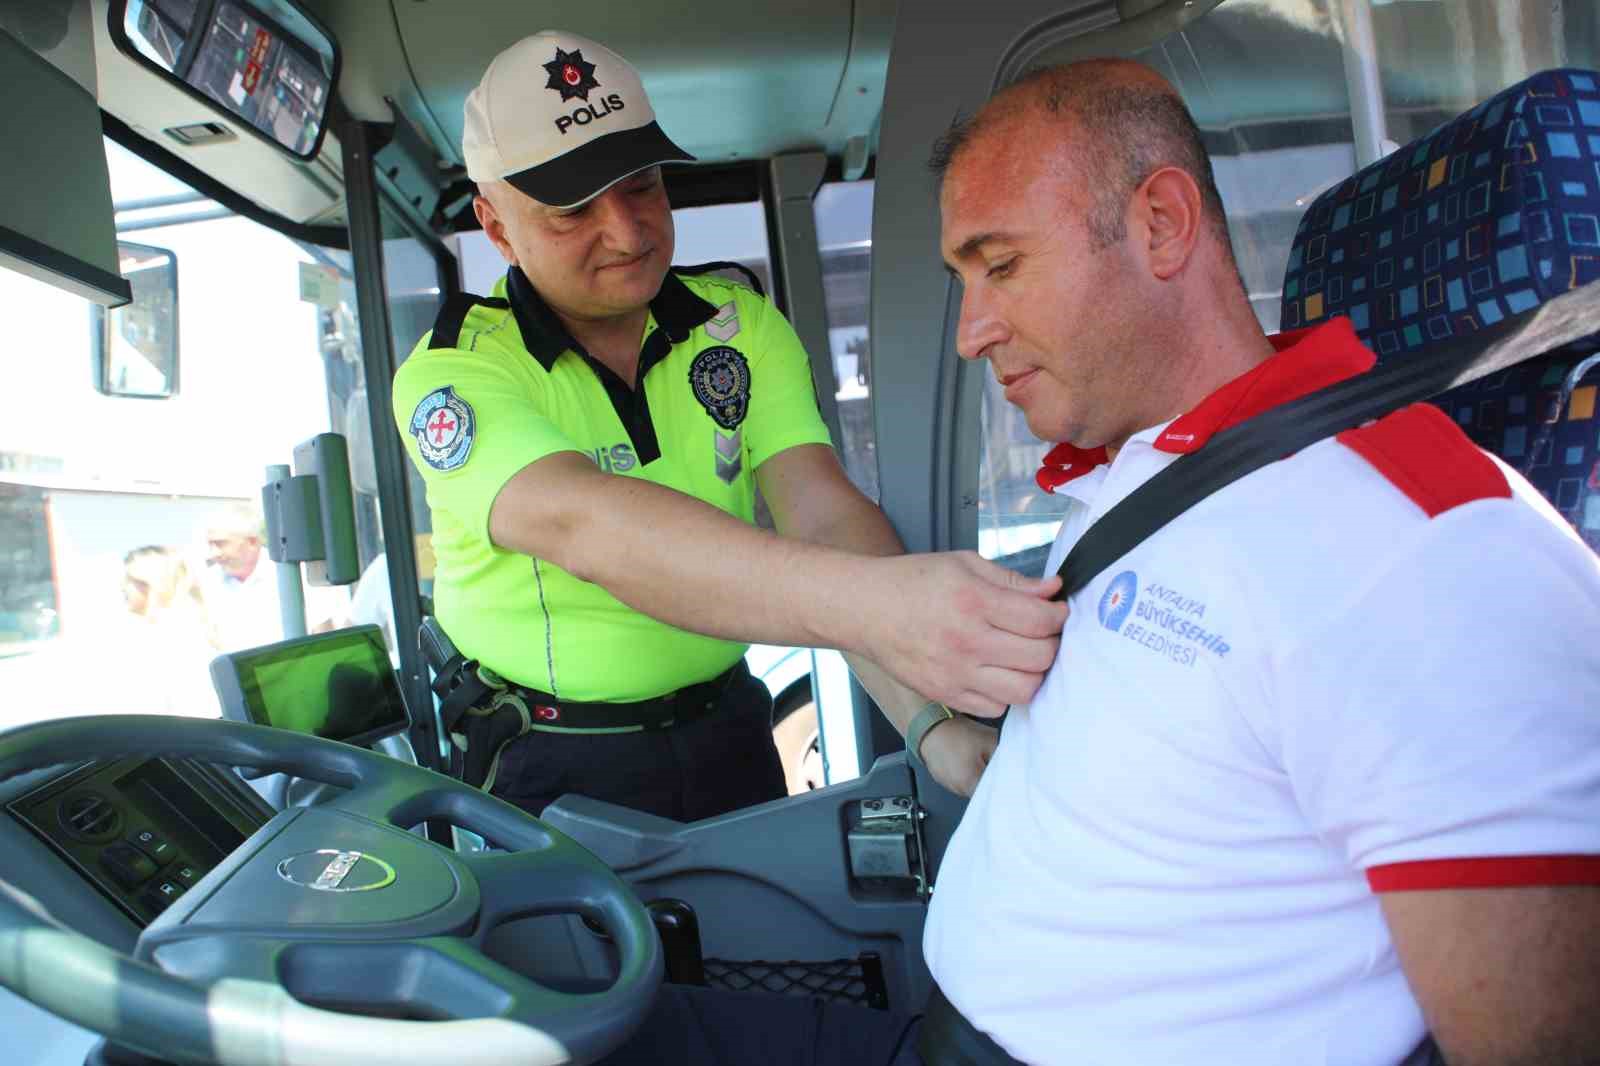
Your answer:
<point x="1488" y="216"/>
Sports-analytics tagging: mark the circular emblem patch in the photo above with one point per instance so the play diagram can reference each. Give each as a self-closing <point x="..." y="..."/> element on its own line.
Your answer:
<point x="1117" y="603"/>
<point x="571" y="75"/>
<point x="721" y="381"/>
<point x="443" y="427"/>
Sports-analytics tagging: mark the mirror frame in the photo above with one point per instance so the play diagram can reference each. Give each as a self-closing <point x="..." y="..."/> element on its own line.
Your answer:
<point x="116" y="17"/>
<point x="100" y="336"/>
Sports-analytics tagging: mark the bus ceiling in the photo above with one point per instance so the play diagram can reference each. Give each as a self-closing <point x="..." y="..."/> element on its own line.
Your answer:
<point x="736" y="85"/>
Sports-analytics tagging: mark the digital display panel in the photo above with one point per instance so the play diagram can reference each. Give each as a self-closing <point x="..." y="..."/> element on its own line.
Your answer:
<point x="340" y="686"/>
<point x="242" y="56"/>
<point x="252" y="70"/>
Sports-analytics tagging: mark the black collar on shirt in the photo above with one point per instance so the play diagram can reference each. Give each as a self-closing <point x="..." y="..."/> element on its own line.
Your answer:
<point x="677" y="311"/>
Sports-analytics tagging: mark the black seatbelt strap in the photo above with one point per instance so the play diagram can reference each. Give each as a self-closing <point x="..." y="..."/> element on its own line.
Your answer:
<point x="1285" y="430"/>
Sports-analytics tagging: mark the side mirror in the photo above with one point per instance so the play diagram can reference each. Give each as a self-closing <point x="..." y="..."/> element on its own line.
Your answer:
<point x="135" y="346"/>
<point x="268" y="62"/>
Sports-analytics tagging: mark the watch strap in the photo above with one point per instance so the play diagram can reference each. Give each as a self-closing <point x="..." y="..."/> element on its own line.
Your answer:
<point x="931" y="715"/>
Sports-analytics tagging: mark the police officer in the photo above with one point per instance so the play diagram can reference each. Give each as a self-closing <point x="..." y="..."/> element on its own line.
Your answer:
<point x="593" y="436"/>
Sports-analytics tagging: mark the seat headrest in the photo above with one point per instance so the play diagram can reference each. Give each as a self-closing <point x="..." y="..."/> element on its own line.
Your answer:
<point x="1489" y="215"/>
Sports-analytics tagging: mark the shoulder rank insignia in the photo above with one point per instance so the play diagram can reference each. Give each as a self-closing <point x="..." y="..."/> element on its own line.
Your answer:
<point x="720" y="377"/>
<point x="724" y="324"/>
<point x="443" y="427"/>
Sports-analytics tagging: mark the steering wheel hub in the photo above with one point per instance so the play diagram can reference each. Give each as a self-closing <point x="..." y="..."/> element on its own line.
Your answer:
<point x="332" y="870"/>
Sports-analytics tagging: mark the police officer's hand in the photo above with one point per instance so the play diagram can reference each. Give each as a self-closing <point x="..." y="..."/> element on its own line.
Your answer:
<point x="956" y="752"/>
<point x="963" y="631"/>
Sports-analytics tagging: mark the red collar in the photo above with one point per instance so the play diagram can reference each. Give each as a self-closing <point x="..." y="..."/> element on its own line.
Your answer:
<point x="1306" y="360"/>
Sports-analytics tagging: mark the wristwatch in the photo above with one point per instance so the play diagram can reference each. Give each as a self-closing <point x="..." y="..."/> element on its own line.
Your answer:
<point x="931" y="715"/>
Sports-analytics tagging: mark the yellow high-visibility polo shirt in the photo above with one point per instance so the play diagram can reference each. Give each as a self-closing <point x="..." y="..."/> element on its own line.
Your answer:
<point x="498" y="383"/>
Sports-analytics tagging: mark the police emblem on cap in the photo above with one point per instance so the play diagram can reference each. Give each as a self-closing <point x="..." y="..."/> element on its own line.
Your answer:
<point x="443" y="427"/>
<point x="721" y="380"/>
<point x="571" y="75"/>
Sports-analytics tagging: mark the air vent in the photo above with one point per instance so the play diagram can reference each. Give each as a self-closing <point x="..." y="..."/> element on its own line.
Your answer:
<point x="199" y="133"/>
<point x="89" y="816"/>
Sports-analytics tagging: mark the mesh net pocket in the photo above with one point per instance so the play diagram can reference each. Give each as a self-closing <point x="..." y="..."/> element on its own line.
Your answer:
<point x="841" y="980"/>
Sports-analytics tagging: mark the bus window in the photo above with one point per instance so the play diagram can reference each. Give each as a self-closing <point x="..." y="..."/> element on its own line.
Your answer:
<point x="133" y="525"/>
<point x="735" y="233"/>
<point x="1439" y="60"/>
<point x="844" y="234"/>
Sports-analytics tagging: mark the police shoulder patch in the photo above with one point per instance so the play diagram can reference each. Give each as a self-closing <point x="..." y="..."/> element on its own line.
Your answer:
<point x="444" y="428"/>
<point x="720" y="378"/>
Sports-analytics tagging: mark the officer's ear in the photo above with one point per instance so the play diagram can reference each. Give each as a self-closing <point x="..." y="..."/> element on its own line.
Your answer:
<point x="493" y="226"/>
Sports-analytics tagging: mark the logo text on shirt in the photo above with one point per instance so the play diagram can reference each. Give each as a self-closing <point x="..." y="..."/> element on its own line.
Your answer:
<point x="617" y="459"/>
<point x="1165" y="621"/>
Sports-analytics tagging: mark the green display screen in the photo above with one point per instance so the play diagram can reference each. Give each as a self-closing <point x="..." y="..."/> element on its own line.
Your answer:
<point x="341" y="687"/>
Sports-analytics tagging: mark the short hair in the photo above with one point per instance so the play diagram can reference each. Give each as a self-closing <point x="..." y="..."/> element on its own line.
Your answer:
<point x="237" y="519"/>
<point x="1135" y="128"/>
<point x="164" y="575"/>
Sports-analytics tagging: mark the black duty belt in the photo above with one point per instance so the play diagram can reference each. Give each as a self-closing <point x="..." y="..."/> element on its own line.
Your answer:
<point x="946" y="1038"/>
<point x="551" y="714"/>
<point x="482" y="712"/>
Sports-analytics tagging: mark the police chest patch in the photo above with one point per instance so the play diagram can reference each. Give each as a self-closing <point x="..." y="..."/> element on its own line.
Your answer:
<point x="721" y="381"/>
<point x="444" y="429"/>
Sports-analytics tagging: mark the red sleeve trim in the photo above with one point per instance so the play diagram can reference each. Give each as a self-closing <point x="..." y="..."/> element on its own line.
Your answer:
<point x="1510" y="871"/>
<point x="1428" y="458"/>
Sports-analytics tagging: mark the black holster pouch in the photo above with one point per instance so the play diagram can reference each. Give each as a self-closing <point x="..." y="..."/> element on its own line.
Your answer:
<point x="480" y="712"/>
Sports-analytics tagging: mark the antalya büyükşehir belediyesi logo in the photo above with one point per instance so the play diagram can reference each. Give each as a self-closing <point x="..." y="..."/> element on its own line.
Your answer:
<point x="571" y="75"/>
<point x="1117" y="603"/>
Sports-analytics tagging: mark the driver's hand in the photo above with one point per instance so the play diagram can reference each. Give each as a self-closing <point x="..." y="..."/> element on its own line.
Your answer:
<point x="957" y="751"/>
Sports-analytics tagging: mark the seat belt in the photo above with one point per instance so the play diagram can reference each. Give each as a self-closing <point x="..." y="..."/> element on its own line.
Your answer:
<point x="1285" y="430"/>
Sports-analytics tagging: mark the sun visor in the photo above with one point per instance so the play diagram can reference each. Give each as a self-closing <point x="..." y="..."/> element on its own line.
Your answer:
<point x="56" y="219"/>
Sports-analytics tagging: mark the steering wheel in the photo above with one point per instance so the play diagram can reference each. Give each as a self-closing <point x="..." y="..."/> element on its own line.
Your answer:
<point x="337" y="905"/>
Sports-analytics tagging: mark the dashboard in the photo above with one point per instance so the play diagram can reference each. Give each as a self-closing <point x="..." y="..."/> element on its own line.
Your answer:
<point x="141" y="831"/>
<point x="106" y="847"/>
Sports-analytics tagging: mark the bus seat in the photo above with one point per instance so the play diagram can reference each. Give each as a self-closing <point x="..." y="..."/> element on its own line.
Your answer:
<point x="1489" y="215"/>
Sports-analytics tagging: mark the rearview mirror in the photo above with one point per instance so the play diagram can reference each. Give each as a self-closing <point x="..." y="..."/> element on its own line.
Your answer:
<point x="136" y="345"/>
<point x="267" y="61"/>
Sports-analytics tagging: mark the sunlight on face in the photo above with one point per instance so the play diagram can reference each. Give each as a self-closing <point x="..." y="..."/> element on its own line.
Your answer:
<point x="604" y="258"/>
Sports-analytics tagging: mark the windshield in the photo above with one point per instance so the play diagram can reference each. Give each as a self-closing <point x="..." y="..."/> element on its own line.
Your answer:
<point x="132" y="527"/>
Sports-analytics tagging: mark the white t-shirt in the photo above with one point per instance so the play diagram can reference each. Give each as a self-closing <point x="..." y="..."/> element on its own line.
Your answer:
<point x="246" y="614"/>
<point x="1371" y="666"/>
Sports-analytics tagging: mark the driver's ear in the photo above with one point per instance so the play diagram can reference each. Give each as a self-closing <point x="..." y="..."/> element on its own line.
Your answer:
<point x="1169" y="211"/>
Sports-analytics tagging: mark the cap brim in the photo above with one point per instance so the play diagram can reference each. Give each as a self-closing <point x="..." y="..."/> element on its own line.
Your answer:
<point x="587" y="171"/>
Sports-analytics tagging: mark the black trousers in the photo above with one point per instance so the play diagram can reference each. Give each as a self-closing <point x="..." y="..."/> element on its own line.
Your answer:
<point x="711" y="765"/>
<point x="713" y="1027"/>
